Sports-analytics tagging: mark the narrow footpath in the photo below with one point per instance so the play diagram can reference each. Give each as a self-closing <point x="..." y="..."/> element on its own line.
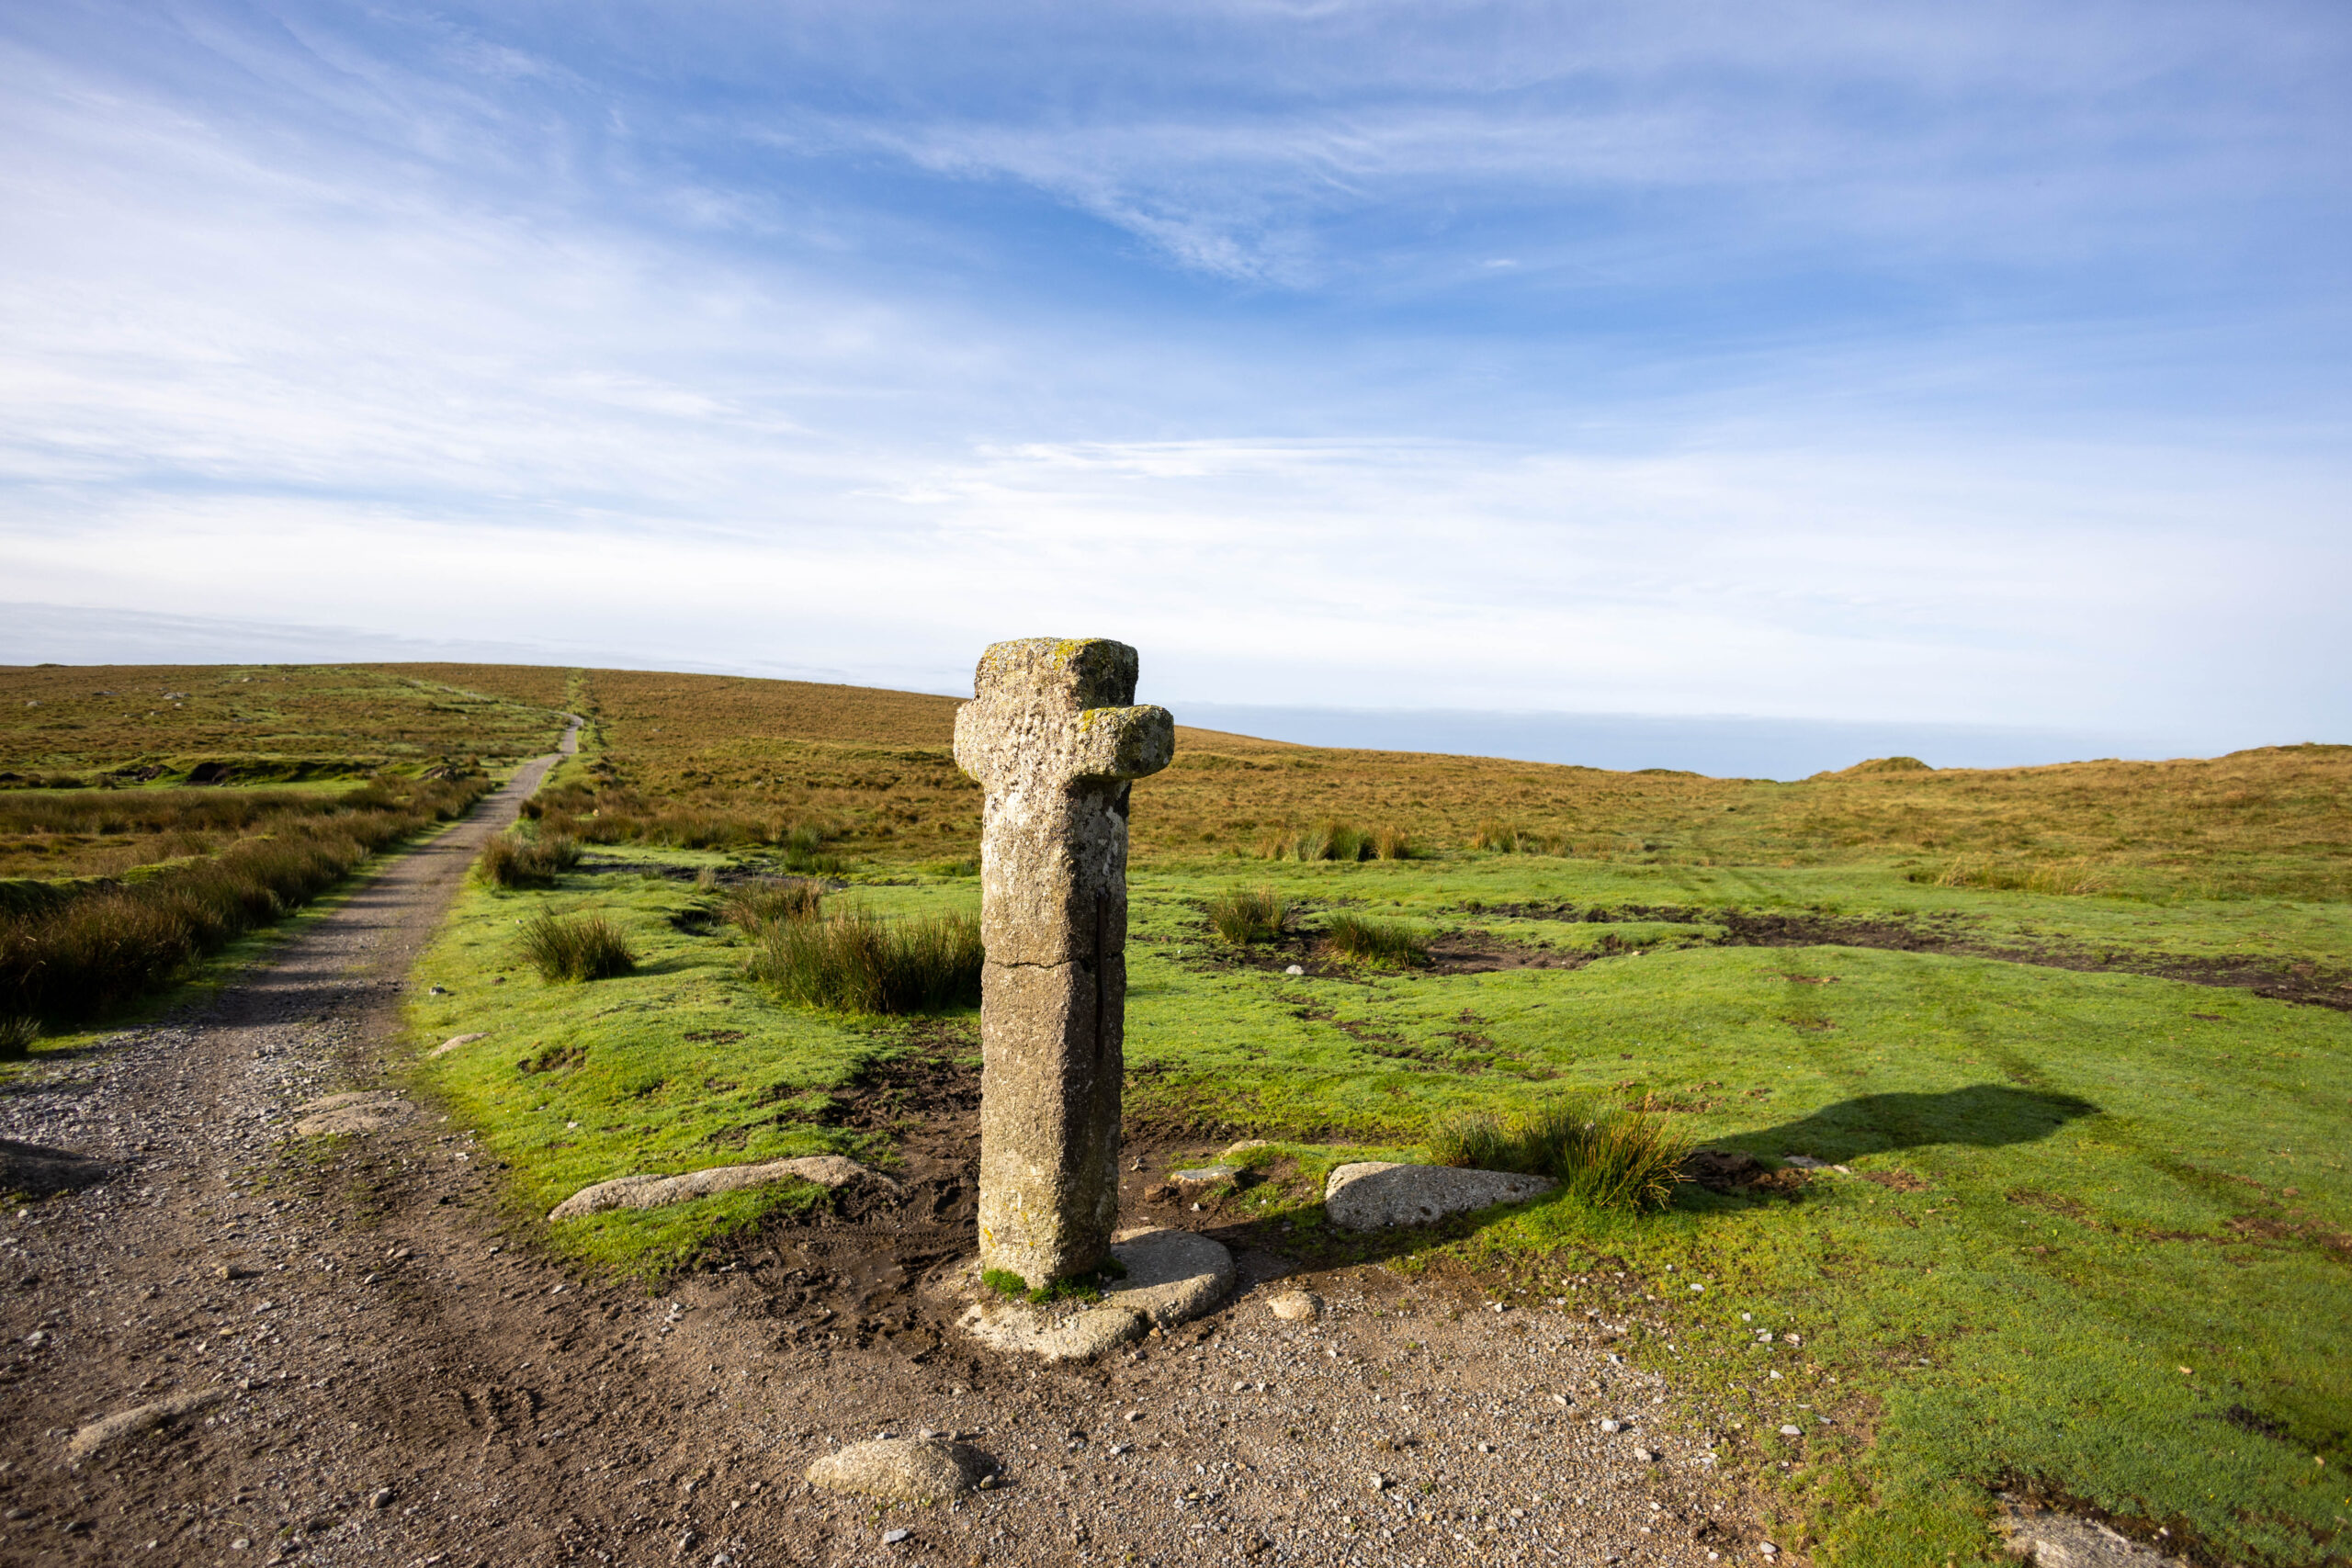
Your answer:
<point x="245" y="1346"/>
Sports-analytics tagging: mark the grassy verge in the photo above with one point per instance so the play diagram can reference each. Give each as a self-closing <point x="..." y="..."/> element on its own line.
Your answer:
<point x="680" y="1064"/>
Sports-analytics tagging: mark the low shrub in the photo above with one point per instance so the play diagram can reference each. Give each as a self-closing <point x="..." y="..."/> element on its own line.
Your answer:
<point x="1244" y="915"/>
<point x="754" y="906"/>
<point x="1608" y="1158"/>
<point x="1390" y="843"/>
<point x="17" y="1033"/>
<point x="576" y="947"/>
<point x="510" y="862"/>
<point x="857" y="961"/>
<point x="2061" y="879"/>
<point x="1376" y="941"/>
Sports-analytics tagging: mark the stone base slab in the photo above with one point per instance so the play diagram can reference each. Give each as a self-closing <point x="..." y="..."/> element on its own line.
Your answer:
<point x="1173" y="1276"/>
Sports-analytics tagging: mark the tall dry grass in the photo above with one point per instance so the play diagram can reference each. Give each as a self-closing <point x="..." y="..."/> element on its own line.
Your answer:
<point x="573" y="948"/>
<point x="1246" y="914"/>
<point x="110" y="942"/>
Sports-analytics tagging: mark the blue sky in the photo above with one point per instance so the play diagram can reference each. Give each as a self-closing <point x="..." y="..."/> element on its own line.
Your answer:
<point x="1980" y="365"/>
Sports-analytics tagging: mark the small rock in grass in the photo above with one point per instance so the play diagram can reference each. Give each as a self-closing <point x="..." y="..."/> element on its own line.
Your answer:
<point x="652" y="1191"/>
<point x="1792" y="1431"/>
<point x="903" y="1470"/>
<point x="1374" y="1194"/>
<point x="453" y="1041"/>
<point x="1295" y="969"/>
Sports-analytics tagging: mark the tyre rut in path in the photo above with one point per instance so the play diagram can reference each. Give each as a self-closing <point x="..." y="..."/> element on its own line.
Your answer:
<point x="402" y="1384"/>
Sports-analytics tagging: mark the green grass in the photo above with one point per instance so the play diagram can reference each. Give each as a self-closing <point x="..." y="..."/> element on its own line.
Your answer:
<point x="680" y="1065"/>
<point x="2092" y="1179"/>
<point x="511" y="861"/>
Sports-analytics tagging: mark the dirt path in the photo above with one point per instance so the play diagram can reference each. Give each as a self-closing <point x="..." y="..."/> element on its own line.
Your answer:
<point x="402" y="1380"/>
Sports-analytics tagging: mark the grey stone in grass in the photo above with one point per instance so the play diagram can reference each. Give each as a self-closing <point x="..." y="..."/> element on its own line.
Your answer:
<point x="1201" y="1176"/>
<point x="453" y="1041"/>
<point x="2060" y="1540"/>
<point x="142" y="1418"/>
<point x="903" y="1470"/>
<point x="653" y="1192"/>
<point x="1375" y="1194"/>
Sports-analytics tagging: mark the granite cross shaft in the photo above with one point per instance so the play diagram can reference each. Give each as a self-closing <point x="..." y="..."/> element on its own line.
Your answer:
<point x="1053" y="738"/>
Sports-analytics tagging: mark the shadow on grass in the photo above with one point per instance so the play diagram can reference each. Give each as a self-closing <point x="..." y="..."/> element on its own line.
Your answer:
<point x="1982" y="1115"/>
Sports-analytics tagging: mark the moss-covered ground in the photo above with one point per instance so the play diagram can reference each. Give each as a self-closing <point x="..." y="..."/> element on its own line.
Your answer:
<point x="2094" y="1236"/>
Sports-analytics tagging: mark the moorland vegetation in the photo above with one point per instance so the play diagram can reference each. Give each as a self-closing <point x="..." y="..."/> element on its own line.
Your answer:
<point x="2019" y="1094"/>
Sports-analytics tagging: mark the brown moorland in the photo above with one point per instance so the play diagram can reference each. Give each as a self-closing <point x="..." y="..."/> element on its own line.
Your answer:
<point x="871" y="769"/>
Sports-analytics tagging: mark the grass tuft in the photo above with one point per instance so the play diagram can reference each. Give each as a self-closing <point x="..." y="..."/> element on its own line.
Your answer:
<point x="510" y="863"/>
<point x="1086" y="1287"/>
<point x="17" y="1033"/>
<point x="1244" y="915"/>
<point x="755" y="906"/>
<point x="1376" y="941"/>
<point x="1605" y="1158"/>
<point x="857" y="961"/>
<point x="576" y="947"/>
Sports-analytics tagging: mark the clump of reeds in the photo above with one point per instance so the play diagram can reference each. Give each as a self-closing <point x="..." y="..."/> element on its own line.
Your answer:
<point x="17" y="1032"/>
<point x="754" y="906"/>
<point x="1376" y="941"/>
<point x="853" y="961"/>
<point x="1333" y="840"/>
<point x="576" y="947"/>
<point x="1244" y="915"/>
<point x="1606" y="1157"/>
<point x="510" y="862"/>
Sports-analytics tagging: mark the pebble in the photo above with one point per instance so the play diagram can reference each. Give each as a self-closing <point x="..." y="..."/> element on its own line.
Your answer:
<point x="1295" y="1306"/>
<point x="1295" y="969"/>
<point x="1792" y="1431"/>
<point x="892" y="1538"/>
<point x="1612" y="1426"/>
<point x="381" y="1497"/>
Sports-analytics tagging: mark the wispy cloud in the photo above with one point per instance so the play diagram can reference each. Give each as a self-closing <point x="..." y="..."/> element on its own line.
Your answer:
<point x="1977" y="366"/>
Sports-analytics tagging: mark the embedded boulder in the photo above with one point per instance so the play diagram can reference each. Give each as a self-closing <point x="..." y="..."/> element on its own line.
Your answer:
<point x="904" y="1470"/>
<point x="1376" y="1194"/>
<point x="646" y="1192"/>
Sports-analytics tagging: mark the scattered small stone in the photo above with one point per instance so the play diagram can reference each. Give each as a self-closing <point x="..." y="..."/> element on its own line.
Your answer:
<point x="382" y="1497"/>
<point x="1788" y="1431"/>
<point x="1805" y="1162"/>
<point x="1645" y="1456"/>
<point x="1295" y="969"/>
<point x="1613" y="1425"/>
<point x="1295" y="1306"/>
<point x="231" y="1271"/>
<point x="892" y="1538"/>
<point x="1379" y="1482"/>
<point x="453" y="1041"/>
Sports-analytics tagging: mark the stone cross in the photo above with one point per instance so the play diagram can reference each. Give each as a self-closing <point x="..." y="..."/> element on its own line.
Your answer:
<point x="1052" y="737"/>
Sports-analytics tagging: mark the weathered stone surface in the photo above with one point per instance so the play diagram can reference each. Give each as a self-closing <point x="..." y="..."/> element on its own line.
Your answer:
<point x="1295" y="1306"/>
<point x="2055" y="1540"/>
<point x="903" y="1470"/>
<point x="1375" y="1194"/>
<point x="1202" y="1176"/>
<point x="361" y="1111"/>
<point x="652" y="1191"/>
<point x="1053" y="737"/>
<point x="1173" y="1276"/>
<point x="1019" y="1330"/>
<point x="130" y="1423"/>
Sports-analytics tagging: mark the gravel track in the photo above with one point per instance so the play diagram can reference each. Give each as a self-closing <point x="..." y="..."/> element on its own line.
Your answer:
<point x="404" y="1379"/>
